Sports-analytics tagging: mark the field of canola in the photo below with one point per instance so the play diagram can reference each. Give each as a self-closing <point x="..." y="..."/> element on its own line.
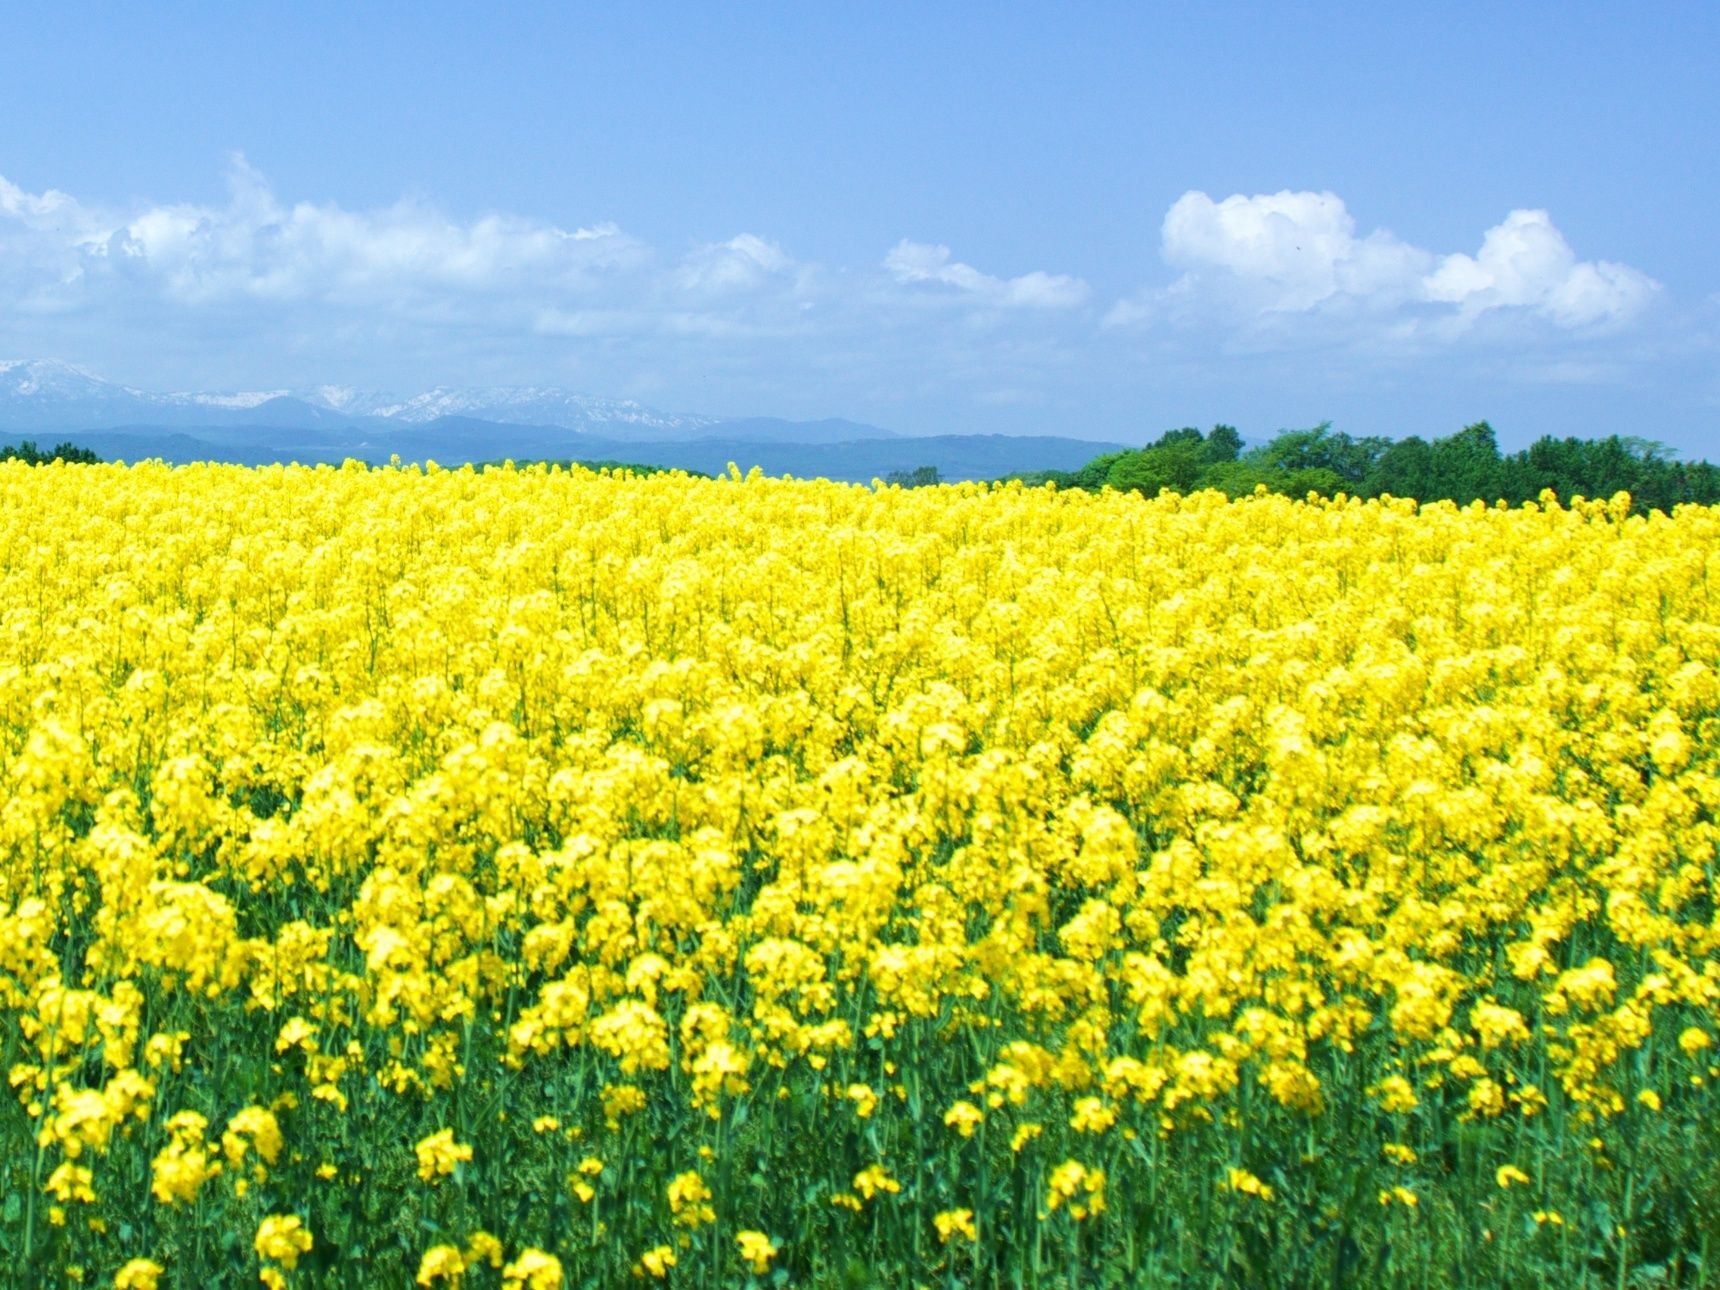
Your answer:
<point x="537" y="879"/>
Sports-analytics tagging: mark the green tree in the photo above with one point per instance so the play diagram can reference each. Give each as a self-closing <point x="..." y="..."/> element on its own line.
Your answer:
<point x="918" y="477"/>
<point x="1223" y="444"/>
<point x="27" y="451"/>
<point x="1322" y="448"/>
<point x="1466" y="466"/>
<point x="1402" y="469"/>
<point x="1462" y="467"/>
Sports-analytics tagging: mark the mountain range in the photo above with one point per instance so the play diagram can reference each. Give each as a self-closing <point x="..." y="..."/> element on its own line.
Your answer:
<point x="48" y="395"/>
<point x="46" y="398"/>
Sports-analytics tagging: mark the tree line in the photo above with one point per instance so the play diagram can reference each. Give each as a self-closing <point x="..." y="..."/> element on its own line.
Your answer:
<point x="27" y="452"/>
<point x="1464" y="467"/>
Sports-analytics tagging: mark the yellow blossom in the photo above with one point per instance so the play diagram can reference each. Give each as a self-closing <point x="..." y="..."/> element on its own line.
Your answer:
<point x="690" y="1200"/>
<point x="70" y="1182"/>
<point x="256" y="1127"/>
<point x="657" y="1261"/>
<point x="964" y="1117"/>
<point x="874" y="1179"/>
<point x="441" y="1263"/>
<point x="756" y="1249"/>
<point x="482" y="1247"/>
<point x="533" y="1270"/>
<point x="138" y="1274"/>
<point x="864" y="1098"/>
<point x="438" y="1154"/>
<point x="1078" y="1187"/>
<point x="282" y="1239"/>
<point x="952" y="1223"/>
<point x="1240" y="1180"/>
<point x="1092" y="1115"/>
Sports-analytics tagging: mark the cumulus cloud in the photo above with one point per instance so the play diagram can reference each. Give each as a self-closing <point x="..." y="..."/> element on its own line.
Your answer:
<point x="1299" y="253"/>
<point x="743" y="263"/>
<point x="257" y="247"/>
<point x="259" y="261"/>
<point x="30" y="209"/>
<point x="410" y="258"/>
<point x="260" y="249"/>
<point x="40" y="237"/>
<point x="1292" y="251"/>
<point x="921" y="262"/>
<point x="1526" y="263"/>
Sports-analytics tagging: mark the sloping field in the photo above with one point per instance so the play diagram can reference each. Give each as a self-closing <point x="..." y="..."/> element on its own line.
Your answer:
<point x="538" y="878"/>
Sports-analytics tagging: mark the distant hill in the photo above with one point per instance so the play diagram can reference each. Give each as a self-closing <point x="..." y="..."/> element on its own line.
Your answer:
<point x="776" y="430"/>
<point x="44" y="396"/>
<point x="454" y="441"/>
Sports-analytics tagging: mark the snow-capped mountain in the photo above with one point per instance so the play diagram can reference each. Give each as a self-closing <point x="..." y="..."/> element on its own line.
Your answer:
<point x="49" y="400"/>
<point x="47" y="378"/>
<point x="48" y="394"/>
<point x="246" y="399"/>
<point x="42" y="395"/>
<point x="515" y="405"/>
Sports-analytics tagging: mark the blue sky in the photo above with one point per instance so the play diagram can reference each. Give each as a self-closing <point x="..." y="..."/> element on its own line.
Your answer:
<point x="1091" y="219"/>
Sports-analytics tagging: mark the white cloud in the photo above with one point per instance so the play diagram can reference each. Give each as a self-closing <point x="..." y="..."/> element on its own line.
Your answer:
<point x="40" y="240"/>
<point x="31" y="209"/>
<point x="1292" y="251"/>
<point x="921" y="262"/>
<point x="1298" y="253"/>
<point x="743" y="263"/>
<point x="1526" y="263"/>
<point x="256" y="248"/>
<point x="415" y="264"/>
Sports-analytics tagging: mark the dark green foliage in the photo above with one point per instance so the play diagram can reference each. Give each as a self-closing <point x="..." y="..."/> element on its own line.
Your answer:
<point x="918" y="477"/>
<point x="1223" y="444"/>
<point x="27" y="452"/>
<point x="1323" y="448"/>
<point x="1402" y="469"/>
<point x="1462" y="468"/>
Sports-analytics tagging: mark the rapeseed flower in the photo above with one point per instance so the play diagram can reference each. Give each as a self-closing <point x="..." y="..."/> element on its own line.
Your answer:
<point x="756" y="1249"/>
<point x="438" y="1154"/>
<point x="533" y="1270"/>
<point x="139" y="1274"/>
<point x="282" y="1238"/>
<point x="441" y="1263"/>
<point x="1079" y="1188"/>
<point x="953" y="1223"/>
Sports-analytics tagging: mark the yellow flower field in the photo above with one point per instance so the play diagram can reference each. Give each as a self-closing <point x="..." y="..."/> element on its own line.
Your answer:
<point x="534" y="879"/>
